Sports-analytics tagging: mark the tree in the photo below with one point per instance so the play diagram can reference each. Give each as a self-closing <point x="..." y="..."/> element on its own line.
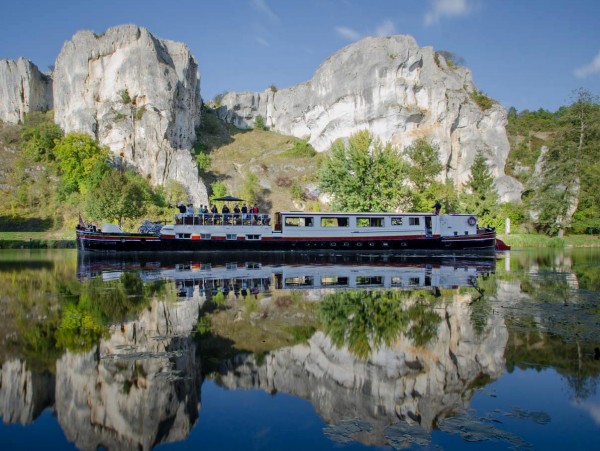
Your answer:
<point x="422" y="172"/>
<point x="363" y="175"/>
<point x="481" y="197"/>
<point x="39" y="136"/>
<point x="118" y="196"/>
<point x="81" y="162"/>
<point x="567" y="189"/>
<point x="175" y="192"/>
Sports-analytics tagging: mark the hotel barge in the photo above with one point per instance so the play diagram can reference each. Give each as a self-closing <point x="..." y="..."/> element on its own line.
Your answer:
<point x="298" y="231"/>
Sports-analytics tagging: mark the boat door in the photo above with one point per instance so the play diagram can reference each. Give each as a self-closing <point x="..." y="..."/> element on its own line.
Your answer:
<point x="277" y="227"/>
<point x="428" y="226"/>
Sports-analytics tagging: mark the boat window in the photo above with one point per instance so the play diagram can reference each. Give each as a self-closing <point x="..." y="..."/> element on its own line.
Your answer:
<point x="334" y="222"/>
<point x="205" y="236"/>
<point x="184" y="235"/>
<point x="397" y="221"/>
<point x="414" y="281"/>
<point x="301" y="281"/>
<point x="369" y="222"/>
<point x="334" y="281"/>
<point x="369" y="280"/>
<point x="414" y="221"/>
<point x="299" y="221"/>
<point x="253" y="237"/>
<point x="231" y="236"/>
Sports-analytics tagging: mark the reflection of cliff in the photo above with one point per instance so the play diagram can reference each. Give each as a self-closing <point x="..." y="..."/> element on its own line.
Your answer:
<point x="23" y="394"/>
<point x="137" y="389"/>
<point x="397" y="381"/>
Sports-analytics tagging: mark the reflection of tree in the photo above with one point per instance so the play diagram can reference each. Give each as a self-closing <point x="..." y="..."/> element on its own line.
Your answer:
<point x="556" y="323"/>
<point x="364" y="320"/>
<point x="85" y="318"/>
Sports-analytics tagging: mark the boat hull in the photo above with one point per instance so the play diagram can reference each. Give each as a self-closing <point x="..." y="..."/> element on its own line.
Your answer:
<point x="97" y="241"/>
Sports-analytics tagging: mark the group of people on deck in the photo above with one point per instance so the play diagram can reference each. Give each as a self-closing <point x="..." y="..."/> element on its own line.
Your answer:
<point x="245" y="213"/>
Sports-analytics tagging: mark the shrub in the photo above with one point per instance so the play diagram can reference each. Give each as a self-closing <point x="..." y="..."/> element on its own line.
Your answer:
<point x="125" y="97"/>
<point x="479" y="97"/>
<point x="139" y="114"/>
<point x="301" y="149"/>
<point x="297" y="191"/>
<point x="259" y="123"/>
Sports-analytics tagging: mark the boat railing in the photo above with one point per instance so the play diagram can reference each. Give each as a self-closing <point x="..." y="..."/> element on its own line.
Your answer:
<point x="233" y="219"/>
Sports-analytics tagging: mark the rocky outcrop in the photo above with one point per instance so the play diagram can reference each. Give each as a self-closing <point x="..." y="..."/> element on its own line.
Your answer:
<point x="418" y="385"/>
<point x="140" y="388"/>
<point x="397" y="90"/>
<point x="24" y="394"/>
<point x="23" y="89"/>
<point x="137" y="94"/>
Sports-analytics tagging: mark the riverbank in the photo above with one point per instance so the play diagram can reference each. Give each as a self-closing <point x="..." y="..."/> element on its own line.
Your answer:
<point x="529" y="241"/>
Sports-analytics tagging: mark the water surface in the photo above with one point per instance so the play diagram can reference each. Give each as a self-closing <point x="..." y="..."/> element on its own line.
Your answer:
<point x="323" y="351"/>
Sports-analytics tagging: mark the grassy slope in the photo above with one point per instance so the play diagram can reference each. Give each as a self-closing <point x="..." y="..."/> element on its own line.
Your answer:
<point x="235" y="154"/>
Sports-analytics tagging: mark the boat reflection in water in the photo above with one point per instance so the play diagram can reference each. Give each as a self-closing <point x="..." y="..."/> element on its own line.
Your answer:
<point x="242" y="274"/>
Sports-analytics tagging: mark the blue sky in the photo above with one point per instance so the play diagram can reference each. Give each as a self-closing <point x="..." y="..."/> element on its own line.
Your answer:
<point x="525" y="53"/>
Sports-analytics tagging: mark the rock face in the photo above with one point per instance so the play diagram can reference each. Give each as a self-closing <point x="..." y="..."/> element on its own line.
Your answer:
<point x="137" y="94"/>
<point x="23" y="89"/>
<point x="24" y="394"/>
<point x="419" y="385"/>
<point x="140" y="388"/>
<point x="400" y="92"/>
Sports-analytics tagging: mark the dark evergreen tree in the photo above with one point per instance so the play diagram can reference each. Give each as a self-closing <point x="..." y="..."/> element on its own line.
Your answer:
<point x="481" y="197"/>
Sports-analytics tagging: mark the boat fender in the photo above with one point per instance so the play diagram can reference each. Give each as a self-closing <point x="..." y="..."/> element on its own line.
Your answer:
<point x="472" y="221"/>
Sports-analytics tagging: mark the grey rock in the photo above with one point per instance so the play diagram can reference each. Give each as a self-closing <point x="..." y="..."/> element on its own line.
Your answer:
<point x="395" y="89"/>
<point x="153" y="130"/>
<point x="23" y="89"/>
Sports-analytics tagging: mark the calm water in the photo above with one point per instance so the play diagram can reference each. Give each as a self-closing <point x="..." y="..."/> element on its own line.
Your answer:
<point x="317" y="352"/>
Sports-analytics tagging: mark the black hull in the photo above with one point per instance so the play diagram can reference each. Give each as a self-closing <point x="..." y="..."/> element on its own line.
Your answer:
<point x="125" y="244"/>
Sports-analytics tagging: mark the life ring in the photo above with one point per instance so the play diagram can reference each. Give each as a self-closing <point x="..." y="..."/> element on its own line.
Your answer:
<point x="472" y="221"/>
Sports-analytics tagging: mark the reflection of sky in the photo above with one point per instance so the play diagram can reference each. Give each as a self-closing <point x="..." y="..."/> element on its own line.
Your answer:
<point x="571" y="426"/>
<point x="592" y="407"/>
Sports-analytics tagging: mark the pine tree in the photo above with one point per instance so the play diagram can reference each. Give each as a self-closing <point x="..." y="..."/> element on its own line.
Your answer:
<point x="481" y="197"/>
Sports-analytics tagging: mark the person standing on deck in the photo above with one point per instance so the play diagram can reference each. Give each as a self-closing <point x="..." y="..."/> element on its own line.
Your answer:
<point x="437" y="206"/>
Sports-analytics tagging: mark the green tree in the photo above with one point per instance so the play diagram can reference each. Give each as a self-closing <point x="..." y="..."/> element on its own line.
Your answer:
<point x="119" y="196"/>
<point x="175" y="192"/>
<point x="39" y="135"/>
<point x="566" y="194"/>
<point x="424" y="168"/>
<point x="81" y="162"/>
<point x="481" y="197"/>
<point x="364" y="175"/>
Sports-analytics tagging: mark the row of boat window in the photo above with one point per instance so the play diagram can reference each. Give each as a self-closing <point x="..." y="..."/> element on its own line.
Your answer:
<point x="208" y="236"/>
<point x="366" y="221"/>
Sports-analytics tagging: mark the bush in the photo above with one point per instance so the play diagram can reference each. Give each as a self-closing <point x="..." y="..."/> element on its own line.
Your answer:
<point x="259" y="123"/>
<point x="484" y="102"/>
<point x="301" y="149"/>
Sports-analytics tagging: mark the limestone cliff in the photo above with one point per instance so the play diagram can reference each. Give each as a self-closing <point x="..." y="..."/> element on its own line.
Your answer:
<point x="137" y="94"/>
<point x="400" y="92"/>
<point x="23" y="89"/>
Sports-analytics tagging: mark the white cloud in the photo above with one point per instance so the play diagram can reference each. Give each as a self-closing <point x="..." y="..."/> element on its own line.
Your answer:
<point x="261" y="5"/>
<point x="348" y="33"/>
<point x="589" y="69"/>
<point x="447" y="8"/>
<point x="387" y="28"/>
<point x="263" y="41"/>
